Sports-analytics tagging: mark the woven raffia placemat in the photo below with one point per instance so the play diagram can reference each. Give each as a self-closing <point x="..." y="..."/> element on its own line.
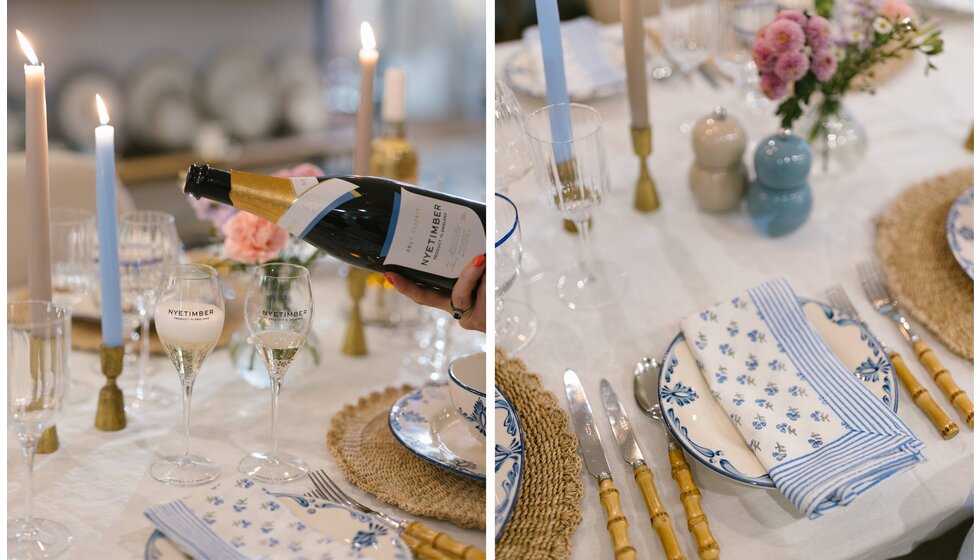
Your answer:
<point x="374" y="461"/>
<point x="547" y="510"/>
<point x="919" y="266"/>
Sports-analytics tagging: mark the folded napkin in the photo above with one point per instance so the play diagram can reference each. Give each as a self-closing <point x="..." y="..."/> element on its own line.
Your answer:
<point x="241" y="520"/>
<point x="587" y="63"/>
<point x="824" y="438"/>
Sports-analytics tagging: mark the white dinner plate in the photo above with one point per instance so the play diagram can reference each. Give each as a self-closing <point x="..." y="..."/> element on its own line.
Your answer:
<point x="508" y="461"/>
<point x="705" y="431"/>
<point x="523" y="74"/>
<point x="959" y="231"/>
<point x="353" y="534"/>
<point x="425" y="421"/>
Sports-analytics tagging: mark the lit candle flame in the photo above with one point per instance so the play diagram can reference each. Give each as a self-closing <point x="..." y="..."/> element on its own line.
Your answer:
<point x="103" y="112"/>
<point x="367" y="36"/>
<point x="25" y="45"/>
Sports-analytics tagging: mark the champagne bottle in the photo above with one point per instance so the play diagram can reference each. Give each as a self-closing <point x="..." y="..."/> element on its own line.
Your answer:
<point x="392" y="154"/>
<point x="368" y="222"/>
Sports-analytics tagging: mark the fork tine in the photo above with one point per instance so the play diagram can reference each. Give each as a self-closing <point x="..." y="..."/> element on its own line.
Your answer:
<point x="338" y="490"/>
<point x="840" y="300"/>
<point x="325" y="490"/>
<point x="872" y="288"/>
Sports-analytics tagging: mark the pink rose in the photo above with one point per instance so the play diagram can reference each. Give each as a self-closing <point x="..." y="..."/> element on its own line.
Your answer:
<point x="764" y="56"/>
<point x="253" y="240"/>
<point x="791" y="66"/>
<point x="795" y="16"/>
<point x="824" y="64"/>
<point x="771" y="86"/>
<point x="301" y="170"/>
<point x="895" y="10"/>
<point x="785" y="36"/>
<point x="818" y="33"/>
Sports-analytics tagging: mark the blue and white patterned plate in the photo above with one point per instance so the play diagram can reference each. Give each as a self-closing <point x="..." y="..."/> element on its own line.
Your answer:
<point x="706" y="432"/>
<point x="959" y="231"/>
<point x="347" y="533"/>
<point x="508" y="461"/>
<point x="425" y="421"/>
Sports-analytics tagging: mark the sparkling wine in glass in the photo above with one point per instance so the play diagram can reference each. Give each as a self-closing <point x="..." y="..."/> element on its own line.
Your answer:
<point x="148" y="245"/>
<point x="515" y="323"/>
<point x="278" y="313"/>
<point x="38" y="351"/>
<point x="189" y="316"/>
<point x="569" y="157"/>
<point x="72" y="255"/>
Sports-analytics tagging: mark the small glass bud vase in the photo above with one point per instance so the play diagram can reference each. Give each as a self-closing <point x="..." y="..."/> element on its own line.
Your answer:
<point x="837" y="139"/>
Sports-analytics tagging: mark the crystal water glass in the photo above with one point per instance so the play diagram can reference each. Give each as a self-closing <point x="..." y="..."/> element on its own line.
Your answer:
<point x="688" y="30"/>
<point x="569" y="156"/>
<point x="278" y="314"/>
<point x="189" y="317"/>
<point x="73" y="244"/>
<point x="38" y="353"/>
<point x="516" y="322"/>
<point x="148" y="245"/>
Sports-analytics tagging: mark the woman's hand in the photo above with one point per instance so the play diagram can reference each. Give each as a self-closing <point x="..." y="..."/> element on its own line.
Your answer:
<point x="471" y="280"/>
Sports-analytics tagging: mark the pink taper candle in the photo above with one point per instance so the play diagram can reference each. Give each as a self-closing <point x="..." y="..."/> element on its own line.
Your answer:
<point x="631" y="14"/>
<point x="38" y="195"/>
<point x="365" y="109"/>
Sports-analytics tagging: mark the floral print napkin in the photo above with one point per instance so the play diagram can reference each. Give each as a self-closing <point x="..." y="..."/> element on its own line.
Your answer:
<point x="824" y="438"/>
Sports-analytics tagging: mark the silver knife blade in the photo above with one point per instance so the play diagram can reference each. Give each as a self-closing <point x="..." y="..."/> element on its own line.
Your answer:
<point x="620" y="425"/>
<point x="589" y="442"/>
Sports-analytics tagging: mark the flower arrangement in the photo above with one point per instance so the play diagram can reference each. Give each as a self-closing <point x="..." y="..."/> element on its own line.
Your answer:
<point x="249" y="240"/>
<point x="798" y="55"/>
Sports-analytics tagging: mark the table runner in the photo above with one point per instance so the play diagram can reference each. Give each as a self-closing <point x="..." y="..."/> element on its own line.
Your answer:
<point x="547" y="511"/>
<point x="918" y="263"/>
<point x="372" y="459"/>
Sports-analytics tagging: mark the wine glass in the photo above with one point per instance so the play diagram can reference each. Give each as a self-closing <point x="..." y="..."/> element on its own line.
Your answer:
<point x="278" y="313"/>
<point x="72" y="255"/>
<point x="38" y="352"/>
<point x="516" y="322"/>
<point x="511" y="158"/>
<point x="688" y="31"/>
<point x="569" y="157"/>
<point x="148" y="244"/>
<point x="189" y="316"/>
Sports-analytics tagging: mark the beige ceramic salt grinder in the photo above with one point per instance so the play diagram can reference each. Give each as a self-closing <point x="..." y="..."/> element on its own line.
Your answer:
<point x="718" y="177"/>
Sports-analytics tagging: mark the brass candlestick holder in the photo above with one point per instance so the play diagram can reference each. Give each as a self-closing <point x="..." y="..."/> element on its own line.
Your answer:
<point x="48" y="442"/>
<point x="354" y="341"/>
<point x="646" y="199"/>
<point x="111" y="414"/>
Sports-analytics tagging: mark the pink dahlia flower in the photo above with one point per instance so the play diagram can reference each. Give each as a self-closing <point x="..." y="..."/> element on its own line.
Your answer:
<point x="771" y="86"/>
<point x="824" y="64"/>
<point x="785" y="36"/>
<point x="791" y="66"/>
<point x="818" y="33"/>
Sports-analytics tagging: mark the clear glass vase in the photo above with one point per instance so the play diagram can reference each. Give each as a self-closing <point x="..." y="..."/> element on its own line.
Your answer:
<point x="837" y="140"/>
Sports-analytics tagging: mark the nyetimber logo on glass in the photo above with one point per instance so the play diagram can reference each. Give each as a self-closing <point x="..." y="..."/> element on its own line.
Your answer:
<point x="194" y="313"/>
<point x="297" y="314"/>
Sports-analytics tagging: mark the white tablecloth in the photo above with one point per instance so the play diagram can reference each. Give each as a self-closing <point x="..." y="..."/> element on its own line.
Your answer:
<point x="98" y="483"/>
<point x="679" y="260"/>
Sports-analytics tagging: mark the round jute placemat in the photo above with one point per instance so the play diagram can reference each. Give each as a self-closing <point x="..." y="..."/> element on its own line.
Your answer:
<point x="373" y="460"/>
<point x="547" y="510"/>
<point x="919" y="266"/>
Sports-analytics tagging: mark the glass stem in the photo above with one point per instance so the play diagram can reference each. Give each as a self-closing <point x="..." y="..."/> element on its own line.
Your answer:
<point x="185" y="398"/>
<point x="29" y="449"/>
<point x="276" y="386"/>
<point x="588" y="260"/>
<point x="144" y="354"/>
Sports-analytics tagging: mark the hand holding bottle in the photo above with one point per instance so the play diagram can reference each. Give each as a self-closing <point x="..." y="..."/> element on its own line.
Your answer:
<point x="469" y="294"/>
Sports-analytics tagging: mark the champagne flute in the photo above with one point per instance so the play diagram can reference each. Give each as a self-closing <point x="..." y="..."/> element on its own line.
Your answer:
<point x="72" y="255"/>
<point x="516" y="322"/>
<point x="38" y="352"/>
<point x="511" y="158"/>
<point x="570" y="166"/>
<point x="190" y="314"/>
<point x="148" y="244"/>
<point x="278" y="312"/>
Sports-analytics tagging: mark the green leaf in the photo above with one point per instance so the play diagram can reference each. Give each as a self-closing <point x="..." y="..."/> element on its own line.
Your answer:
<point x="824" y="8"/>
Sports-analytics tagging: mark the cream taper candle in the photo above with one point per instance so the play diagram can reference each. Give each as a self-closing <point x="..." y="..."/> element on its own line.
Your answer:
<point x="365" y="109"/>
<point x="631" y="15"/>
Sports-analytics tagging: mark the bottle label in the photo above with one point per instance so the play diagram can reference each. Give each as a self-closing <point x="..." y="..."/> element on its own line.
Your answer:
<point x="433" y="235"/>
<point x="317" y="201"/>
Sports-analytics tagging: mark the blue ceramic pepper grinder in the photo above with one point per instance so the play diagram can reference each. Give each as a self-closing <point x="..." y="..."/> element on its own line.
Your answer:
<point x="780" y="198"/>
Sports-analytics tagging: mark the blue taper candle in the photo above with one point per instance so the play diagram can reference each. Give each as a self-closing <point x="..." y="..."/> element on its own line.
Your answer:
<point x="105" y="193"/>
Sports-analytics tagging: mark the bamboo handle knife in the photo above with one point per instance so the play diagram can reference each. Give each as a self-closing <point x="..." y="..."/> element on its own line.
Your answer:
<point x="958" y="397"/>
<point x="922" y="399"/>
<point x="697" y="521"/>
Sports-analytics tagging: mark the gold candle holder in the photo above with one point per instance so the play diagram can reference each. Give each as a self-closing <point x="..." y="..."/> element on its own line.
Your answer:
<point x="646" y="199"/>
<point x="111" y="413"/>
<point x="48" y="442"/>
<point x="354" y="341"/>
